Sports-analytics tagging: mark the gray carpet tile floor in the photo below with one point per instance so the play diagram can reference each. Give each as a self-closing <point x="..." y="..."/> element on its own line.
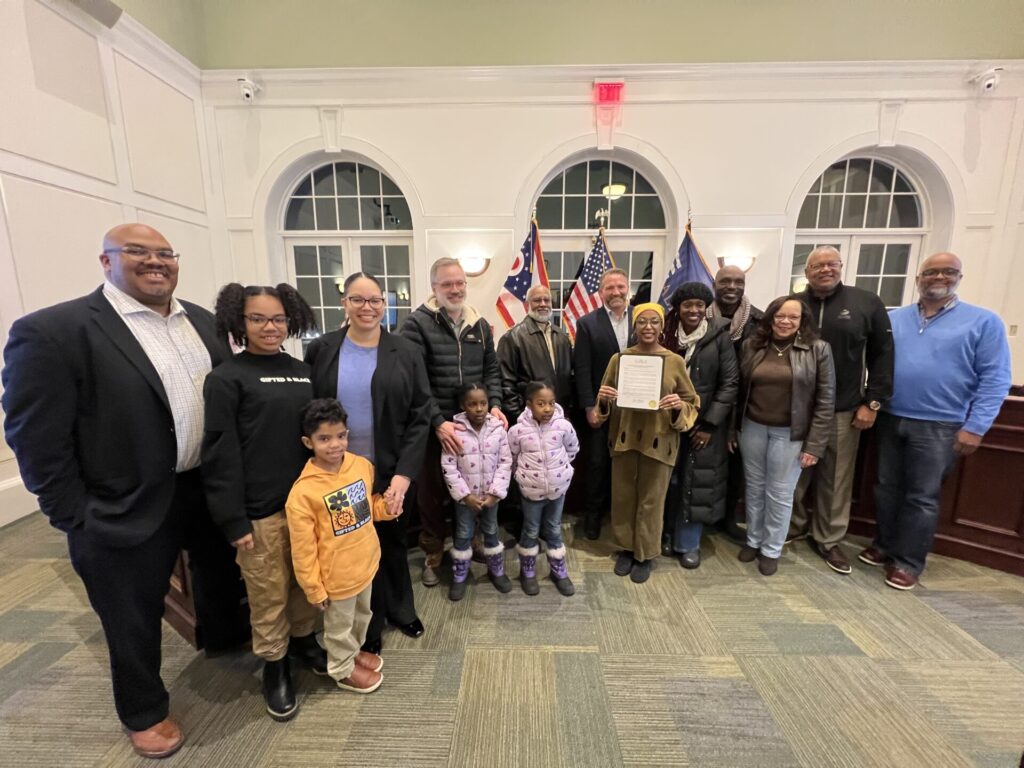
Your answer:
<point x="713" y="667"/>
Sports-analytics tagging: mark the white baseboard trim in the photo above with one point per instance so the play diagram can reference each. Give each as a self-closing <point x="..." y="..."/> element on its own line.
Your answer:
<point x="15" y="501"/>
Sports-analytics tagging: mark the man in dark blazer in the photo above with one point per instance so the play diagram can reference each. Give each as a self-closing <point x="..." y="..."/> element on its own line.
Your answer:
<point x="600" y="334"/>
<point x="103" y="401"/>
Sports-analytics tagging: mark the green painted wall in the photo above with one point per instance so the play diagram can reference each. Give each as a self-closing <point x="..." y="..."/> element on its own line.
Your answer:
<point x="179" y="23"/>
<point x="228" y="34"/>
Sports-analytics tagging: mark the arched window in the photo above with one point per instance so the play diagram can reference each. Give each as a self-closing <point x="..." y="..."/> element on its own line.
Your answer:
<point x="567" y="211"/>
<point x="342" y="218"/>
<point x="872" y="212"/>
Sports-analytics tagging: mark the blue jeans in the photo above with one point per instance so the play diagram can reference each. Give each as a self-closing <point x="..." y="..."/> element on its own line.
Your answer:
<point x="543" y="518"/>
<point x="771" y="465"/>
<point x="465" y="524"/>
<point x="686" y="537"/>
<point x="913" y="458"/>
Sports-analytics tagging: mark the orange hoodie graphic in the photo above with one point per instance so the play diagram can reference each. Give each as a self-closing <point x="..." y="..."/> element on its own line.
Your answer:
<point x="335" y="549"/>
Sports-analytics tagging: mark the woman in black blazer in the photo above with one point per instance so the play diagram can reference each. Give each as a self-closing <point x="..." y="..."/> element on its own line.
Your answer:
<point x="382" y="382"/>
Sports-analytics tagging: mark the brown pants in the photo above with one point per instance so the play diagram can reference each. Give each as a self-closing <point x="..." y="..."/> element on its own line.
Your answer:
<point x="278" y="608"/>
<point x="833" y="486"/>
<point x="345" y="623"/>
<point x="639" y="485"/>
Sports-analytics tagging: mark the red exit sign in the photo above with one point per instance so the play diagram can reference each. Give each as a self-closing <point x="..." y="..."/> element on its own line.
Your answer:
<point x="608" y="92"/>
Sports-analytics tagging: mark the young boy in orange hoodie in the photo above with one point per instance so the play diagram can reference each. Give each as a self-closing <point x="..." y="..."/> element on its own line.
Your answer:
<point x="335" y="550"/>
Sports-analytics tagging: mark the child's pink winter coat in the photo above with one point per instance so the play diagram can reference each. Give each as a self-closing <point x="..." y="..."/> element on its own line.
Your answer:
<point x="543" y="454"/>
<point x="485" y="464"/>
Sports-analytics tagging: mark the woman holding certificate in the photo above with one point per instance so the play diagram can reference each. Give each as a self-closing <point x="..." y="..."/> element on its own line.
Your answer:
<point x="786" y="409"/>
<point x="647" y="395"/>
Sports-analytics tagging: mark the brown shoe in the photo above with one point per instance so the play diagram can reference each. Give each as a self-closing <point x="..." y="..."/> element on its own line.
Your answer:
<point x="748" y="554"/>
<point x="370" y="661"/>
<point x="833" y="557"/>
<point x="873" y="556"/>
<point x="767" y="565"/>
<point x="162" y="740"/>
<point x="897" y="578"/>
<point x="362" y="680"/>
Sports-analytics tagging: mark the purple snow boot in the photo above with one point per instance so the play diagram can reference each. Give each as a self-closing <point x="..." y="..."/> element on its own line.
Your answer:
<point x="559" y="571"/>
<point x="528" y="569"/>
<point x="496" y="568"/>
<point x="461" y="559"/>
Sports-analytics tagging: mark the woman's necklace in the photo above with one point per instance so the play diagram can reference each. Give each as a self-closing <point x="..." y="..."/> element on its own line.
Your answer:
<point x="783" y="350"/>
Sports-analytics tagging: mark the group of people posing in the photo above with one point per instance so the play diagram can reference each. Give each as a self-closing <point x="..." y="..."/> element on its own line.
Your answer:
<point x="132" y="419"/>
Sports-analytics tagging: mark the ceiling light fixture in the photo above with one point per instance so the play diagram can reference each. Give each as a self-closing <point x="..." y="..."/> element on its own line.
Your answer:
<point x="613" y="191"/>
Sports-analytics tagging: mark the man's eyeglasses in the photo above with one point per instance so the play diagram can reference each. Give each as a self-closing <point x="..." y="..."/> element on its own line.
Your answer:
<point x="643" y="322"/>
<point x="945" y="272"/>
<point x="140" y="253"/>
<point x="450" y="284"/>
<point x="359" y="301"/>
<point x="823" y="265"/>
<point x="281" y="321"/>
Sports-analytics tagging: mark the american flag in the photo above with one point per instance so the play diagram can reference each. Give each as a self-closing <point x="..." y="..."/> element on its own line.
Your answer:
<point x="585" y="297"/>
<point x="687" y="267"/>
<point x="528" y="269"/>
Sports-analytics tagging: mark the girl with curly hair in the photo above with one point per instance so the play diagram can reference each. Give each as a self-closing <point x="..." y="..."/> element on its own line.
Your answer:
<point x="252" y="453"/>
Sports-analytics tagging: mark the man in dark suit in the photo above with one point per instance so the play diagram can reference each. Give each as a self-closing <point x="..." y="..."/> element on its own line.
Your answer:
<point x="599" y="335"/>
<point x="104" y="404"/>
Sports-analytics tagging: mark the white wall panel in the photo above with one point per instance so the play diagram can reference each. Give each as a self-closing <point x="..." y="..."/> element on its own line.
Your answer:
<point x="160" y="131"/>
<point x="250" y="139"/>
<point x="245" y="268"/>
<point x="55" y="263"/>
<point x="54" y="107"/>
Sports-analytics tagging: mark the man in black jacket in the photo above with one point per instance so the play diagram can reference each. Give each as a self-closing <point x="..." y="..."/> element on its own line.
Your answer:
<point x="104" y="403"/>
<point x="535" y="350"/>
<point x="458" y="347"/>
<point x="856" y="325"/>
<point x="731" y="303"/>
<point x="599" y="334"/>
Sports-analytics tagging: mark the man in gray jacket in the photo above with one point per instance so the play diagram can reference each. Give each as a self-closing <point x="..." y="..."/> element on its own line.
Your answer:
<point x="458" y="348"/>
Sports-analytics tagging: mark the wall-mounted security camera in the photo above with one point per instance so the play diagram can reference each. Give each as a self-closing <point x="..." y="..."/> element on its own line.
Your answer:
<point x="248" y="89"/>
<point x="987" y="81"/>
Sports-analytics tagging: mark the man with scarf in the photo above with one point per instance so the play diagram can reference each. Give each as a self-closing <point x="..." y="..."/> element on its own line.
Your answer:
<point x="731" y="303"/>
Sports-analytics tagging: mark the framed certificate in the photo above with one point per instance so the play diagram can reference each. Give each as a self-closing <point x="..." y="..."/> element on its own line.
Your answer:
<point x="639" y="382"/>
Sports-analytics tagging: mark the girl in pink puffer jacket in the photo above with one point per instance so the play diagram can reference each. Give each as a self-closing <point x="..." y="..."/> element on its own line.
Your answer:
<point x="477" y="479"/>
<point x="543" y="445"/>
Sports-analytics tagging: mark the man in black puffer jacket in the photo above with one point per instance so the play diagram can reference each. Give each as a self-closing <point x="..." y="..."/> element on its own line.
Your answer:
<point x="458" y="348"/>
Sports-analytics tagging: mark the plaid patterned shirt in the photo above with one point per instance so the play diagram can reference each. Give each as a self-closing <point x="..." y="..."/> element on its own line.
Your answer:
<point x="181" y="360"/>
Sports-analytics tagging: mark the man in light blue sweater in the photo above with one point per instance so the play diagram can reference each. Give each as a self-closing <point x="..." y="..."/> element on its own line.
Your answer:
<point x="952" y="373"/>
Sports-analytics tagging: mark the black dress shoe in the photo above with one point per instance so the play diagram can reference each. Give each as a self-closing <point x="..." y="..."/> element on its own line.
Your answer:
<point x="592" y="529"/>
<point x="413" y="629"/>
<point x="372" y="646"/>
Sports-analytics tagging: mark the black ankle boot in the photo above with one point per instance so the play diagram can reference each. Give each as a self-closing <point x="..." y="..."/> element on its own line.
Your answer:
<point x="278" y="691"/>
<point x="307" y="651"/>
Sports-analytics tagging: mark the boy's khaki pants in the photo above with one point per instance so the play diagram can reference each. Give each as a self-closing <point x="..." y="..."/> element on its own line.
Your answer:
<point x="345" y="623"/>
<point x="278" y="608"/>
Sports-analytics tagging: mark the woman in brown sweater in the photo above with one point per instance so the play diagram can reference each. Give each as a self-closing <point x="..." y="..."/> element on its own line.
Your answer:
<point x="786" y="407"/>
<point x="644" y="444"/>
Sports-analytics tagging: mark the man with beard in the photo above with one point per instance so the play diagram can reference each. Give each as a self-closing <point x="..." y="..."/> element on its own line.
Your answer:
<point x="535" y="350"/>
<point x="951" y="375"/>
<point x="731" y="303"/>
<point x="458" y="347"/>
<point x="855" y="324"/>
<point x="599" y="334"/>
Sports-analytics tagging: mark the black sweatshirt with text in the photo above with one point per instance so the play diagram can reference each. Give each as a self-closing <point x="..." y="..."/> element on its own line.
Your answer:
<point x="252" y="447"/>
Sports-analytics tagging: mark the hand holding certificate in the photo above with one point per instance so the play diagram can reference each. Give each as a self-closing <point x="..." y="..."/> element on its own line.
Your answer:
<point x="639" y="382"/>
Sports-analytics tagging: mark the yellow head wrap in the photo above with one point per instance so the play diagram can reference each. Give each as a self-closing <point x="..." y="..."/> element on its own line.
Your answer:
<point x="650" y="305"/>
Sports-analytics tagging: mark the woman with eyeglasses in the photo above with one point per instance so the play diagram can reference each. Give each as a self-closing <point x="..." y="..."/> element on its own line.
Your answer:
<point x="252" y="453"/>
<point x="381" y="381"/>
<point x="786" y="405"/>
<point x="644" y="444"/>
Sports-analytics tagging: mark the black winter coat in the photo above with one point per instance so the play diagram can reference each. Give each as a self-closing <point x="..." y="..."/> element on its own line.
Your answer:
<point x="523" y="357"/>
<point x="452" y="361"/>
<point x="703" y="475"/>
